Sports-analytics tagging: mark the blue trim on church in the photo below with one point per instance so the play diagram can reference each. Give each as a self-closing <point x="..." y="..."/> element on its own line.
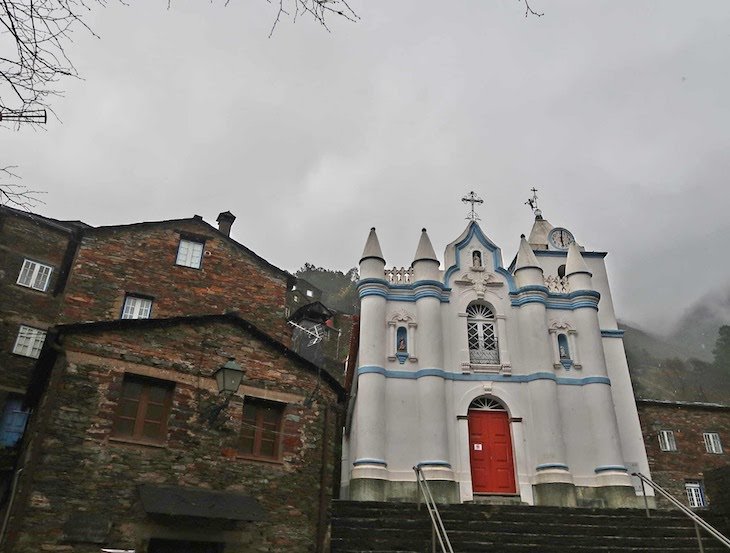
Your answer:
<point x="403" y="292"/>
<point x="607" y="468"/>
<point x="367" y="461"/>
<point x="611" y="333"/>
<point x="540" y="294"/>
<point x="441" y="373"/>
<point x="547" y="466"/>
<point x="475" y="230"/>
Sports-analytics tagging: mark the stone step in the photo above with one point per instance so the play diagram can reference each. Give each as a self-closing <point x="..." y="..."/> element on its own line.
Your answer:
<point x="370" y="527"/>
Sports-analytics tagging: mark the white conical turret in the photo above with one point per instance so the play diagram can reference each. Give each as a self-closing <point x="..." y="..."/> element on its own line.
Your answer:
<point x="425" y="263"/>
<point x="527" y="269"/>
<point x="372" y="262"/>
<point x="539" y="234"/>
<point x="579" y="277"/>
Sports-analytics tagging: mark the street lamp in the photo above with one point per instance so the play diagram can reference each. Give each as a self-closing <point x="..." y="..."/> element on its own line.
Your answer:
<point x="229" y="376"/>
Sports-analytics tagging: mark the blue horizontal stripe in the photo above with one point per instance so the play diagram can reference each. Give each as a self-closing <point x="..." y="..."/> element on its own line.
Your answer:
<point x="366" y="461"/>
<point x="606" y="468"/>
<point x="415" y="375"/>
<point x="434" y="464"/>
<point x="546" y="466"/>
<point x="610" y="333"/>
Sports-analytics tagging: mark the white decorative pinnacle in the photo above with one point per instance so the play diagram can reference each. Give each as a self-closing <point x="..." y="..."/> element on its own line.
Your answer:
<point x="472" y="198"/>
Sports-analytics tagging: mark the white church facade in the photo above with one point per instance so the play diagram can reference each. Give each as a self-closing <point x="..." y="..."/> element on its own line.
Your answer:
<point x="496" y="380"/>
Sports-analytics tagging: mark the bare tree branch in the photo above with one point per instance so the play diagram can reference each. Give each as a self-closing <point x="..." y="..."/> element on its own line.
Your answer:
<point x="17" y="195"/>
<point x="529" y="10"/>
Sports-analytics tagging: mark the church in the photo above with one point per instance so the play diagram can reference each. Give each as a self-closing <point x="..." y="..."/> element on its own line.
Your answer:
<point x="496" y="381"/>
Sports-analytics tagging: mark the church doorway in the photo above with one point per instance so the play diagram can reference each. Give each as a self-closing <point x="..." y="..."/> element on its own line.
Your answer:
<point x="490" y="448"/>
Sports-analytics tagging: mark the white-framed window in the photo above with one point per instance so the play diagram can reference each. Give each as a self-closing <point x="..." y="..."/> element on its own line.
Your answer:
<point x="712" y="442"/>
<point x="29" y="341"/>
<point x="189" y="253"/>
<point x="666" y="440"/>
<point x="310" y="293"/>
<point x="482" y="335"/>
<point x="136" y="307"/>
<point x="35" y="275"/>
<point x="695" y="494"/>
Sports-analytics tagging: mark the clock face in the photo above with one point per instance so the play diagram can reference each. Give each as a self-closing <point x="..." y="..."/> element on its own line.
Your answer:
<point x="560" y="238"/>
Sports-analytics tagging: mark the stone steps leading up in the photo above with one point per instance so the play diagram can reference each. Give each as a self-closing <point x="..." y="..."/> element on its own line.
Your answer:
<point x="380" y="527"/>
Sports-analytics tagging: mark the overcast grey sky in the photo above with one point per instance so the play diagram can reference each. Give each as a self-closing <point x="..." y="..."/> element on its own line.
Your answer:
<point x="617" y="111"/>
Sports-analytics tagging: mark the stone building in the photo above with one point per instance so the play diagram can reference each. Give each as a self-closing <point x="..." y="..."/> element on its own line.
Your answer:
<point x="684" y="440"/>
<point x="35" y="256"/>
<point x="495" y="380"/>
<point x="132" y="447"/>
<point x="117" y="310"/>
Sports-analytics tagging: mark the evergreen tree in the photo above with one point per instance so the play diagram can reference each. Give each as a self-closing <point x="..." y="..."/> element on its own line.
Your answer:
<point x="722" y="348"/>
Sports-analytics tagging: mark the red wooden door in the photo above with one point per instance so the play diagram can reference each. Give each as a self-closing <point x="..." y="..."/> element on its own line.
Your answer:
<point x="490" y="452"/>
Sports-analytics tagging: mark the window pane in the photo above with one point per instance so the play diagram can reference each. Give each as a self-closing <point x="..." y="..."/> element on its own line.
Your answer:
<point x="136" y="415"/>
<point x="152" y="430"/>
<point x="154" y="412"/>
<point x="29" y="341"/>
<point x="189" y="253"/>
<point x="132" y="389"/>
<point x="26" y="273"/>
<point x="41" y="279"/>
<point x="157" y="394"/>
<point x="128" y="408"/>
<point x="123" y="427"/>
<point x="260" y="428"/>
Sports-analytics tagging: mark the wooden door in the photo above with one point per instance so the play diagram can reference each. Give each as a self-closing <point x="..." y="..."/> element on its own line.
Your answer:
<point x="490" y="452"/>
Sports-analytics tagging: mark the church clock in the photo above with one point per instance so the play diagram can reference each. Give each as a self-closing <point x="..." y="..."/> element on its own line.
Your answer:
<point x="560" y="238"/>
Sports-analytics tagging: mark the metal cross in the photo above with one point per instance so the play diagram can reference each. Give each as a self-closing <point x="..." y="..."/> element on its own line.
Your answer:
<point x="472" y="198"/>
<point x="532" y="202"/>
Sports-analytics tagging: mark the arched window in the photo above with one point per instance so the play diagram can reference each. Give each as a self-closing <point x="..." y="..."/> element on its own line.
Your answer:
<point x="563" y="348"/>
<point x="561" y="271"/>
<point x="482" y="335"/>
<point x="485" y="403"/>
<point x="476" y="258"/>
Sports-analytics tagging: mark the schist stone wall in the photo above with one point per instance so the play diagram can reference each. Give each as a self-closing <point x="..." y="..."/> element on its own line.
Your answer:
<point x="688" y="423"/>
<point x="82" y="473"/>
<point x="24" y="237"/>
<point x="140" y="260"/>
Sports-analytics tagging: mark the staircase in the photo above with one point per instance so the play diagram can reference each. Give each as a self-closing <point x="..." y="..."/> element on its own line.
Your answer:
<point x="359" y="527"/>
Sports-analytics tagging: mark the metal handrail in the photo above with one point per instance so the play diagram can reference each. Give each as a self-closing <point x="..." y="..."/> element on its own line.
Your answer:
<point x="698" y="521"/>
<point x="437" y="525"/>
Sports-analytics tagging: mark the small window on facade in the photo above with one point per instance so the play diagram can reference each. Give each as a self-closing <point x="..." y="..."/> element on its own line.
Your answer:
<point x="261" y="428"/>
<point x="29" y="341"/>
<point x="561" y="271"/>
<point x="666" y="440"/>
<point x="563" y="348"/>
<point x="136" y="307"/>
<point x="143" y="409"/>
<point x="189" y="253"/>
<point x="712" y="442"/>
<point x="35" y="275"/>
<point x="310" y="293"/>
<point x="695" y="494"/>
<point x="481" y="335"/>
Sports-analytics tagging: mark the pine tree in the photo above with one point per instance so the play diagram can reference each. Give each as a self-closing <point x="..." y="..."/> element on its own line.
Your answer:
<point x="722" y="348"/>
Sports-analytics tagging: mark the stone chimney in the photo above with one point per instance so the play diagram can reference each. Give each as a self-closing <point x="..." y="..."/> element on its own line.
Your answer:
<point x="225" y="222"/>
